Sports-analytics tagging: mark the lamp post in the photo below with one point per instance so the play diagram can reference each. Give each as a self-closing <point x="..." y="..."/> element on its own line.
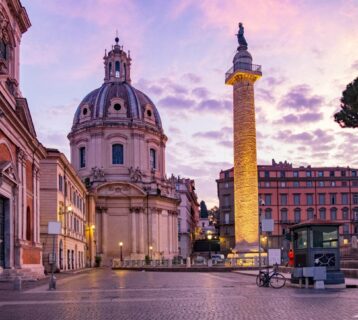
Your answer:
<point x="210" y="236"/>
<point x="261" y="203"/>
<point x="121" y="250"/>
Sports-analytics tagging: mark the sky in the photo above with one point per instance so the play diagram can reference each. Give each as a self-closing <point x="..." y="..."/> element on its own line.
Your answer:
<point x="180" y="52"/>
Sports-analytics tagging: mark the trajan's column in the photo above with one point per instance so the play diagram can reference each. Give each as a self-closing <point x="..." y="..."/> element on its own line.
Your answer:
<point x="242" y="77"/>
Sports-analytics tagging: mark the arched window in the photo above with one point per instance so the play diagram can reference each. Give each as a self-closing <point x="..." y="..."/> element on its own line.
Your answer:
<point x="310" y="214"/>
<point x="345" y="213"/>
<point x="3" y="49"/>
<point x="333" y="213"/>
<point x="82" y="157"/>
<point x="322" y="213"/>
<point x="153" y="159"/>
<point x="268" y="213"/>
<point x="355" y="214"/>
<point x="117" y="154"/>
<point x="297" y="215"/>
<point x="117" y="66"/>
<point x="28" y="224"/>
<point x="110" y="68"/>
<point x="284" y="215"/>
<point x="60" y="255"/>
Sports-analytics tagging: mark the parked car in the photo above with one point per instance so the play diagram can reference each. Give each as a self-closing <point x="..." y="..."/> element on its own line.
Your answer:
<point x="218" y="258"/>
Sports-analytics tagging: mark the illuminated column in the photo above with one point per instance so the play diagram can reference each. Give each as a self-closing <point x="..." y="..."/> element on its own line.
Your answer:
<point x="242" y="77"/>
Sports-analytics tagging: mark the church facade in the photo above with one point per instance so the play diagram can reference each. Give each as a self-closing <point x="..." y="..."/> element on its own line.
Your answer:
<point x="118" y="149"/>
<point x="20" y="155"/>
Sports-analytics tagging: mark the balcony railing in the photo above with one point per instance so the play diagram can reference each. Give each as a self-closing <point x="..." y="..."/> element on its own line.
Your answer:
<point x="244" y="67"/>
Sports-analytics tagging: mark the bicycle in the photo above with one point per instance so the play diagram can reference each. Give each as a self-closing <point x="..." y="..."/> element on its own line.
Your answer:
<point x="272" y="279"/>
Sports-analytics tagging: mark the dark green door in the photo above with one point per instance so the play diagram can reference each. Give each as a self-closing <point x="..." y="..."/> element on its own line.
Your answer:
<point x="2" y="232"/>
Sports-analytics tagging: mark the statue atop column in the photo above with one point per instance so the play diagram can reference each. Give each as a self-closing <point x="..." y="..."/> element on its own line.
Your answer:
<point x="240" y="38"/>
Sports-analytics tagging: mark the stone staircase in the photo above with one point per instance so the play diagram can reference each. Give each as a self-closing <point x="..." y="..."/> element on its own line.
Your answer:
<point x="8" y="275"/>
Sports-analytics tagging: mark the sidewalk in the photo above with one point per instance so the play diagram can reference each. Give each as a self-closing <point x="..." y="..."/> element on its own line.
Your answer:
<point x="349" y="282"/>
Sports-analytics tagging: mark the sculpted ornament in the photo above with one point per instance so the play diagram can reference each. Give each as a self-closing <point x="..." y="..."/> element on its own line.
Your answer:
<point x="98" y="174"/>
<point x="135" y="174"/>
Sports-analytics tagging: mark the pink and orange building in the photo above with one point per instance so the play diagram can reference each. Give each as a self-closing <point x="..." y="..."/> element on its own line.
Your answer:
<point x="290" y="195"/>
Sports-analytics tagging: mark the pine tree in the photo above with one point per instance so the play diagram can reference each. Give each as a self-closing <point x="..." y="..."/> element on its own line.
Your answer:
<point x="348" y="116"/>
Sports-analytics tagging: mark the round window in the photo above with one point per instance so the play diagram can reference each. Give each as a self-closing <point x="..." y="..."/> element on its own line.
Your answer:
<point x="85" y="111"/>
<point x="149" y="113"/>
<point x="117" y="107"/>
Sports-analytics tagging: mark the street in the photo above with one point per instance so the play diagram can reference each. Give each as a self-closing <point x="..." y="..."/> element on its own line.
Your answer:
<point x="107" y="294"/>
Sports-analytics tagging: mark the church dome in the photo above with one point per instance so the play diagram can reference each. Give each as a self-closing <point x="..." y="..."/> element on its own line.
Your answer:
<point x="116" y="102"/>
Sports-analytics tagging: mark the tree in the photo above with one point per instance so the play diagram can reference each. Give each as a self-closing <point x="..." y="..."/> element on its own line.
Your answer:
<point x="203" y="210"/>
<point x="348" y="116"/>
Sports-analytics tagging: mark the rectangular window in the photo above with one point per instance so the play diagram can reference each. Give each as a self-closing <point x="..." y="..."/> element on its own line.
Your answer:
<point x="267" y="184"/>
<point x="354" y="183"/>
<point x="282" y="174"/>
<point x="346" y="228"/>
<point x="333" y="183"/>
<point x="309" y="184"/>
<point x="321" y="183"/>
<point x="226" y="201"/>
<point x="296" y="199"/>
<point x="345" y="214"/>
<point x="82" y="157"/>
<point x="300" y="239"/>
<point x="227" y="218"/>
<point x="267" y="199"/>
<point x="344" y="183"/>
<point x="309" y="199"/>
<point x="324" y="237"/>
<point x="308" y="174"/>
<point x="295" y="174"/>
<point x="331" y="173"/>
<point x="321" y="198"/>
<point x="355" y="198"/>
<point x="283" y="184"/>
<point x="354" y="173"/>
<point x="296" y="184"/>
<point x="60" y="183"/>
<point x="283" y="199"/>
<point x="117" y="154"/>
<point x="320" y="173"/>
<point x="344" y="198"/>
<point x="153" y="159"/>
<point x="332" y="198"/>
<point x="267" y="174"/>
<point x="343" y="173"/>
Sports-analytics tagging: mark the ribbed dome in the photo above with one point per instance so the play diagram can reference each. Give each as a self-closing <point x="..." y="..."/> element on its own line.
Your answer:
<point x="97" y="103"/>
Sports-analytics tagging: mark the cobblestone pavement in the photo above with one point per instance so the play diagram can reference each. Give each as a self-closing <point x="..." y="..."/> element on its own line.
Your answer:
<point x="107" y="294"/>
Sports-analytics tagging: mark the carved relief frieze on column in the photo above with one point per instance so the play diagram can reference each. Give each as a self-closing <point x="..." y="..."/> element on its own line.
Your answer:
<point x="21" y="167"/>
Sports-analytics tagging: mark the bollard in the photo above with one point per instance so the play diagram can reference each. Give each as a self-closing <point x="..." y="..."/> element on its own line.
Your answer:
<point x="52" y="283"/>
<point x="17" y="283"/>
<point x="210" y="263"/>
<point x="188" y="264"/>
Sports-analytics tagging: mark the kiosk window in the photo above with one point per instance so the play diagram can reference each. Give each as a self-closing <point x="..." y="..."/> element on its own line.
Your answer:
<point x="325" y="237"/>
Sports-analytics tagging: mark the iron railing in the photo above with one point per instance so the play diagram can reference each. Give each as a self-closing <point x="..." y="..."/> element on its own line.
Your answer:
<point x="242" y="66"/>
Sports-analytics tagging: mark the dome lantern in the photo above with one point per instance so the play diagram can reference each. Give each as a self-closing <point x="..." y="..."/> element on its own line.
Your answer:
<point x="117" y="64"/>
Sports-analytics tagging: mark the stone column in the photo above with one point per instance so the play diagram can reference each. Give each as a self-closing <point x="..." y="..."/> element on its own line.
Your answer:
<point x="142" y="233"/>
<point x="104" y="233"/>
<point x="134" y="231"/>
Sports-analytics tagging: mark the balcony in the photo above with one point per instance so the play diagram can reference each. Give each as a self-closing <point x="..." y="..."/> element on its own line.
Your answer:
<point x="241" y="67"/>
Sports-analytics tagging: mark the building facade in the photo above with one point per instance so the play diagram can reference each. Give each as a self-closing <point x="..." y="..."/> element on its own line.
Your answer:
<point x="118" y="149"/>
<point x="20" y="155"/>
<point x="291" y="195"/>
<point x="188" y="218"/>
<point x="63" y="199"/>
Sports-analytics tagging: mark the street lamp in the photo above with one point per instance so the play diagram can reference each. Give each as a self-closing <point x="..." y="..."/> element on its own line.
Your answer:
<point x="210" y="236"/>
<point x="121" y="251"/>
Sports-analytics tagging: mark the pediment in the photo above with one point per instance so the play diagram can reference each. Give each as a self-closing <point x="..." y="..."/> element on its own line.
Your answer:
<point x="117" y="189"/>
<point x="8" y="173"/>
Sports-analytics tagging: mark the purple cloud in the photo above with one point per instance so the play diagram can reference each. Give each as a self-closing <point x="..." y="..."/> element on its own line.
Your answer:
<point x="265" y="95"/>
<point x="215" y="105"/>
<point x="300" y="98"/>
<point x="272" y="81"/>
<point x="172" y="102"/>
<point x="192" y="77"/>
<point x="355" y="65"/>
<point x="300" y="118"/>
<point x="200" y="92"/>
